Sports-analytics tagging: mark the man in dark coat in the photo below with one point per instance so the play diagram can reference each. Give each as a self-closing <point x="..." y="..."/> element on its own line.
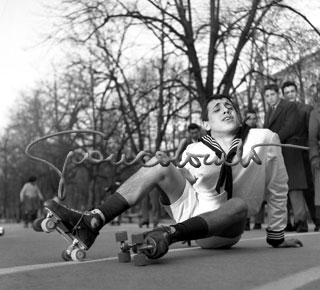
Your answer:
<point x="290" y="93"/>
<point x="314" y="142"/>
<point x="284" y="119"/>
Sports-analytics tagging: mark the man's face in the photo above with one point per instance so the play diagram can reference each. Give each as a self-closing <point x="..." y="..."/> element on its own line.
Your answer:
<point x="314" y="94"/>
<point x="194" y="134"/>
<point x="222" y="117"/>
<point x="272" y="97"/>
<point x="252" y="120"/>
<point x="290" y="93"/>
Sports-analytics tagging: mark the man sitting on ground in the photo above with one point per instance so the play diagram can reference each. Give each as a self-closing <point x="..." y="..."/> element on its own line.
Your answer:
<point x="210" y="202"/>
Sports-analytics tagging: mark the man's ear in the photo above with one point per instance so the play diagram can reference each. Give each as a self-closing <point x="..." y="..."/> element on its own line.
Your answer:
<point x="206" y="125"/>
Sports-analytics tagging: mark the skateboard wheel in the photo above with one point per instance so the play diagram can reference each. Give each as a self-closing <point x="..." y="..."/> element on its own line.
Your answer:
<point x="78" y="255"/>
<point x="137" y="238"/>
<point x="140" y="260"/>
<point x="48" y="225"/>
<point x="121" y="236"/>
<point x="66" y="255"/>
<point x="124" y="257"/>
<point x="1" y="231"/>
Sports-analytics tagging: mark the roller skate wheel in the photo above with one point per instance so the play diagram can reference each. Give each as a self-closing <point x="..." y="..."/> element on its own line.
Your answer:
<point x="78" y="255"/>
<point x="140" y="260"/>
<point x="137" y="238"/>
<point x="48" y="225"/>
<point x="36" y="225"/>
<point x="66" y="255"/>
<point x="1" y="231"/>
<point x="121" y="236"/>
<point x="124" y="257"/>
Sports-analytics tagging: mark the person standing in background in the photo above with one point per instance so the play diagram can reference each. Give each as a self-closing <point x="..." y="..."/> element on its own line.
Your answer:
<point x="314" y="139"/>
<point x="31" y="201"/>
<point x="150" y="205"/>
<point x="284" y="118"/>
<point x="251" y="119"/>
<point x="290" y="92"/>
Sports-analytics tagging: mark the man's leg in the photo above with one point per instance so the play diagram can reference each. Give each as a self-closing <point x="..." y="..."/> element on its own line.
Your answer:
<point x="309" y="193"/>
<point x="86" y="226"/>
<point x="26" y="219"/>
<point x="299" y="210"/>
<point x="144" y="209"/>
<point x="169" y="178"/>
<point x="310" y="203"/>
<point x="226" y="222"/>
<point x="155" y="205"/>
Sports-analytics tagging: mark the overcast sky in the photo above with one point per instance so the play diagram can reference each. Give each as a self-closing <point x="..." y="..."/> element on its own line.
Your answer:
<point x="22" y="59"/>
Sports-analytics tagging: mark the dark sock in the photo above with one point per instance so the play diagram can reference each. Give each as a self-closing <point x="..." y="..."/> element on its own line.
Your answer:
<point x="115" y="205"/>
<point x="192" y="229"/>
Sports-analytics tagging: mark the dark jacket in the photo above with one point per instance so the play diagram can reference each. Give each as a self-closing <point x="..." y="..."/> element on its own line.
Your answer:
<point x="314" y="133"/>
<point x="288" y="122"/>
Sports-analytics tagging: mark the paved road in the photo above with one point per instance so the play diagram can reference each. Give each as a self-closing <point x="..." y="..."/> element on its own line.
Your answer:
<point x="30" y="260"/>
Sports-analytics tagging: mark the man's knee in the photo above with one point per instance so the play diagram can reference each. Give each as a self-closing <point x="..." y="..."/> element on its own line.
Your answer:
<point x="159" y="171"/>
<point x="240" y="207"/>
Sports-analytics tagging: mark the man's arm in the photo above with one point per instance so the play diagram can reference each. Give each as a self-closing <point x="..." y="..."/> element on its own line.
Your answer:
<point x="314" y="128"/>
<point x="39" y="193"/>
<point x="22" y="192"/>
<point x="290" y="124"/>
<point x="276" y="194"/>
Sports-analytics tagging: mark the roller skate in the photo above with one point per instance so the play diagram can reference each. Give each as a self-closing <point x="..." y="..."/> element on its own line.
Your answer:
<point x="160" y="239"/>
<point x="152" y="245"/>
<point x="80" y="229"/>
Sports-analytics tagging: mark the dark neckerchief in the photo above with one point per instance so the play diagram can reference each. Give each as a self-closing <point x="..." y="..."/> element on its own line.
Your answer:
<point x="225" y="176"/>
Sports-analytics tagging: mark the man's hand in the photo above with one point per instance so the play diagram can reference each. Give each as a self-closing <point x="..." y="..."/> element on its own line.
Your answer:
<point x="315" y="162"/>
<point x="291" y="243"/>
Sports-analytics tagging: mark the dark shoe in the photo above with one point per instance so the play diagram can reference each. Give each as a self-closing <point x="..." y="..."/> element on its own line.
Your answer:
<point x="247" y="226"/>
<point x="115" y="221"/>
<point x="289" y="228"/>
<point x="257" y="227"/>
<point x="142" y="223"/>
<point x="84" y="226"/>
<point x="302" y="227"/>
<point x="160" y="238"/>
<point x="317" y="225"/>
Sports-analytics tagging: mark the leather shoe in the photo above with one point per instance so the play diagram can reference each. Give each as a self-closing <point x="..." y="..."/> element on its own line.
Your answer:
<point x="257" y="227"/>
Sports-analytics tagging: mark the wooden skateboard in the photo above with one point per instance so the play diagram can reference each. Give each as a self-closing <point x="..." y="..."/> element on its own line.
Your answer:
<point x="76" y="251"/>
<point x="139" y="246"/>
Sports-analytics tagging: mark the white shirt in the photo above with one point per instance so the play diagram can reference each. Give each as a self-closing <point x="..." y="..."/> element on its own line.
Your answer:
<point x="253" y="184"/>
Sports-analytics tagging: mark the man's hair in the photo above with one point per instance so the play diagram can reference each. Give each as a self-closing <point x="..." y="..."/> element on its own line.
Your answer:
<point x="316" y="87"/>
<point x="204" y="114"/>
<point x="251" y="111"/>
<point x="193" y="126"/>
<point x="272" y="87"/>
<point x="32" y="179"/>
<point x="288" y="84"/>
